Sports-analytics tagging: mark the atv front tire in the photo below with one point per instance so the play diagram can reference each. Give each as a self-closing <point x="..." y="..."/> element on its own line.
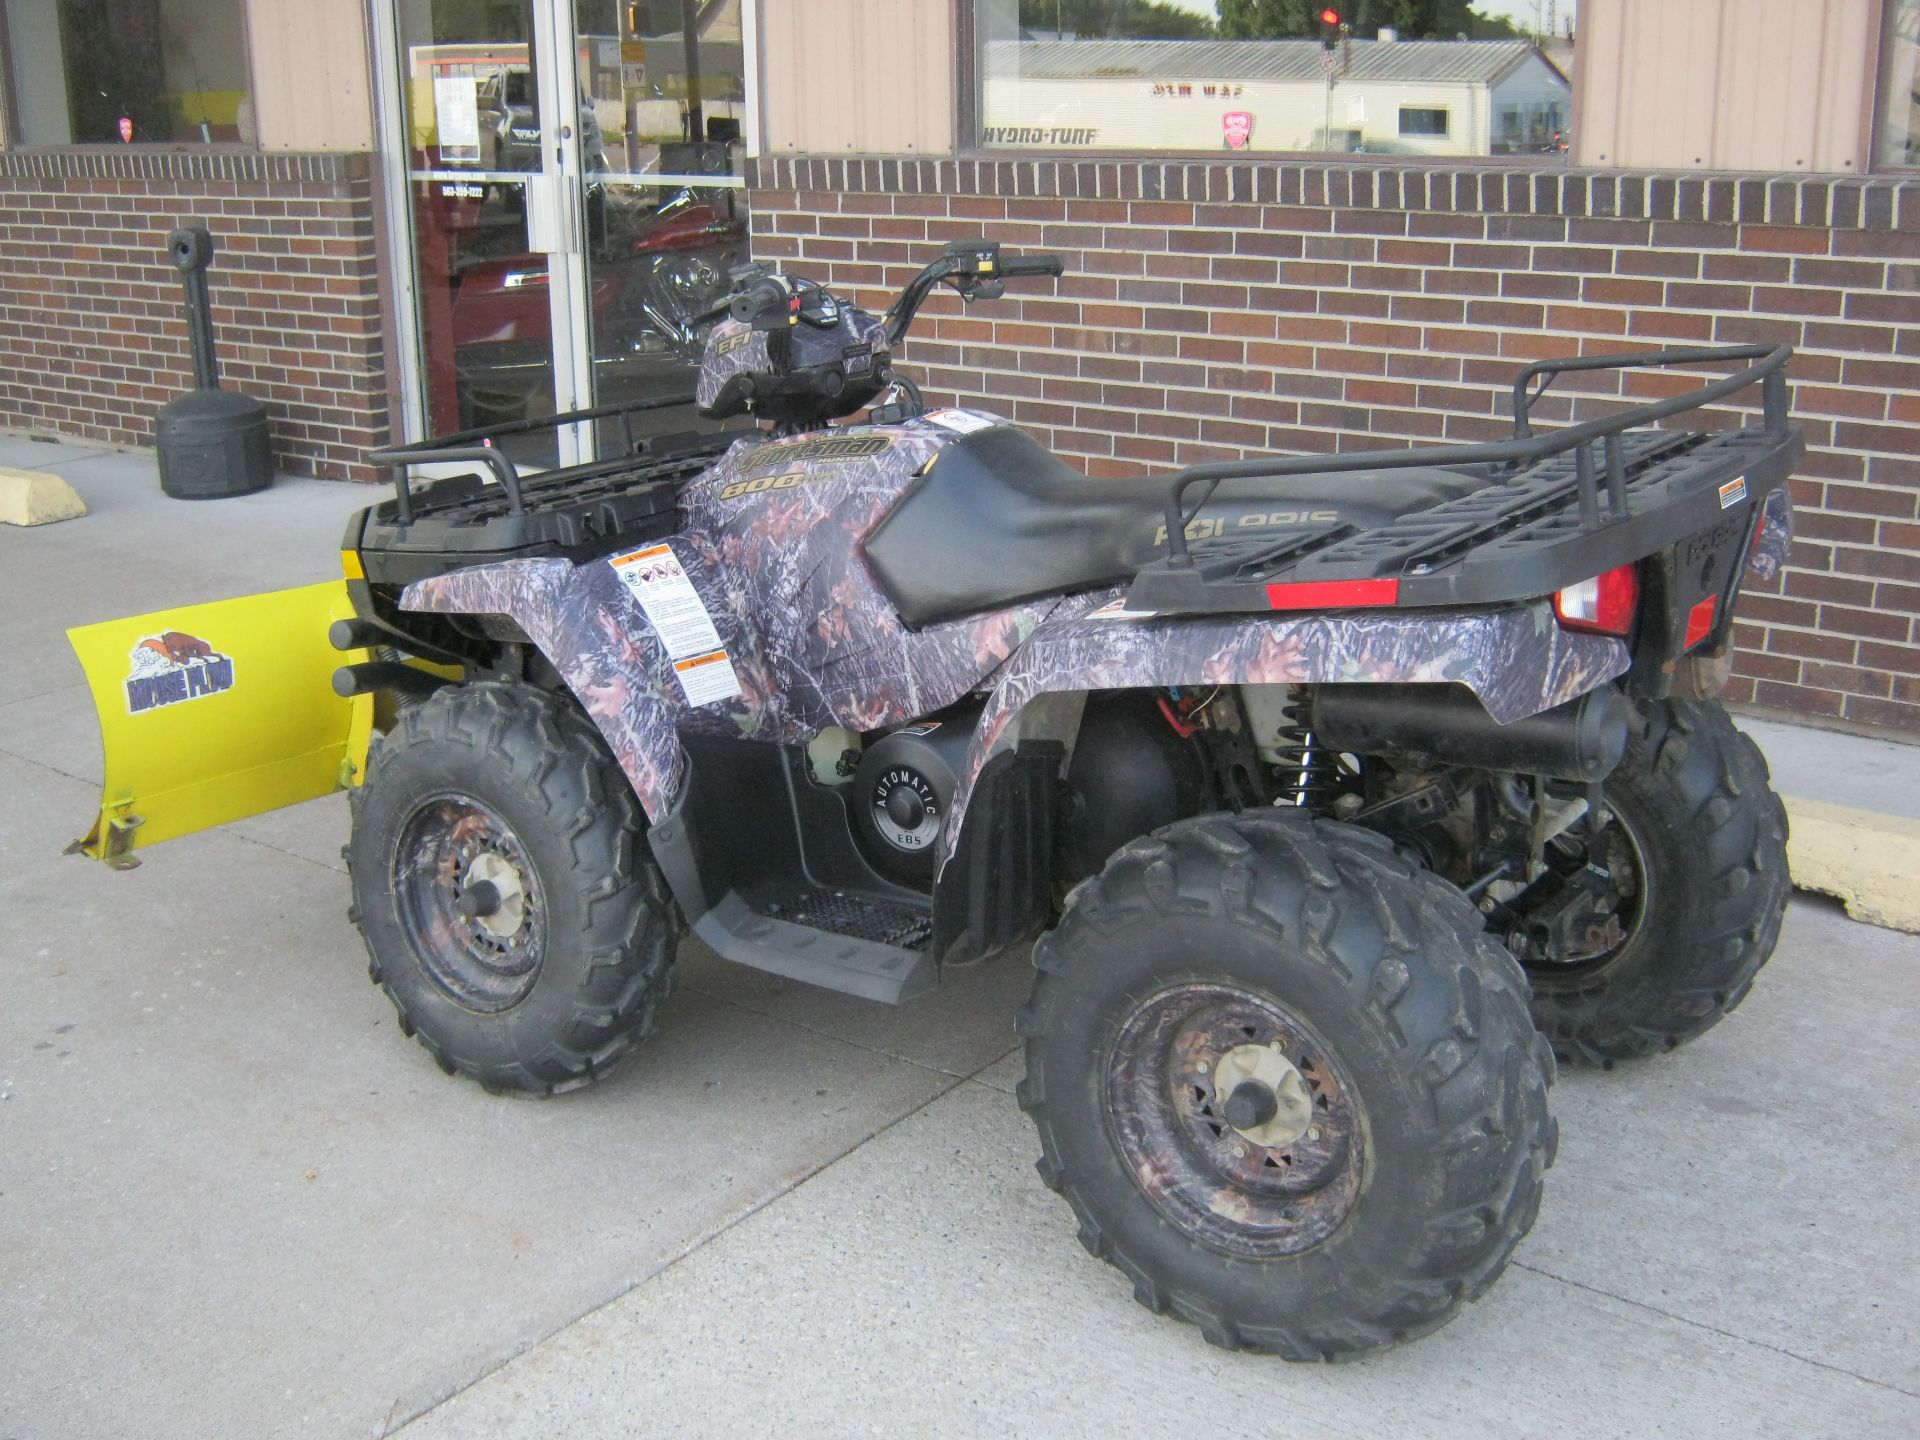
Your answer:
<point x="1286" y="1083"/>
<point x="511" y="909"/>
<point x="1707" y="850"/>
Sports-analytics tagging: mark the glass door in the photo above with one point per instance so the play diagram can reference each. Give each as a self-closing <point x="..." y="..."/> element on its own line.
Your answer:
<point x="483" y="201"/>
<point x="573" y="201"/>
<point x="663" y="115"/>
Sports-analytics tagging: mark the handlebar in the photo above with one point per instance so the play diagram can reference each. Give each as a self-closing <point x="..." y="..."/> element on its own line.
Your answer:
<point x="975" y="268"/>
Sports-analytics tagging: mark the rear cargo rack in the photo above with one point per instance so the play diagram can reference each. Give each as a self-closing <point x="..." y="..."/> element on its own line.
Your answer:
<point x="1538" y="524"/>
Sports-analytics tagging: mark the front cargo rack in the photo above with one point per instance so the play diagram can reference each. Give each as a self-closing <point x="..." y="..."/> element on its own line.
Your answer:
<point x="574" y="511"/>
<point x="1538" y="525"/>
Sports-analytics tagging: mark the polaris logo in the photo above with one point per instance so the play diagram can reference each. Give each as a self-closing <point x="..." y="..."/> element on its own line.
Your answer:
<point x="1213" y="527"/>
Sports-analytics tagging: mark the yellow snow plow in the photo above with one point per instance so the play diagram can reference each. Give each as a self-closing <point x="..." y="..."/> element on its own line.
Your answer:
<point x="210" y="713"/>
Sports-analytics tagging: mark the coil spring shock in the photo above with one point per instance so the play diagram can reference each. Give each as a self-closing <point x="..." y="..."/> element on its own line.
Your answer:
<point x="1305" y="774"/>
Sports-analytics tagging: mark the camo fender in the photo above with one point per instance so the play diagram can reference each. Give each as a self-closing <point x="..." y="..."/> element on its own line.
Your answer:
<point x="1515" y="659"/>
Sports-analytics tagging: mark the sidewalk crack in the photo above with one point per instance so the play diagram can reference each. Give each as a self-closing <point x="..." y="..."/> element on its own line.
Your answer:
<point x="1689" y="1321"/>
<point x="771" y="1198"/>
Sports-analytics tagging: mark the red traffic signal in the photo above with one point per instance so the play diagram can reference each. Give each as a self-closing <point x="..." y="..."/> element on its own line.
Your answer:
<point x="1329" y="16"/>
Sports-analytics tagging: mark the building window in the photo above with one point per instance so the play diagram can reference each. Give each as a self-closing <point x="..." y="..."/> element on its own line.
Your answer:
<point x="1267" y="77"/>
<point x="1415" y="121"/>
<point x="138" y="72"/>
<point x="1900" y="86"/>
<point x="1535" y="128"/>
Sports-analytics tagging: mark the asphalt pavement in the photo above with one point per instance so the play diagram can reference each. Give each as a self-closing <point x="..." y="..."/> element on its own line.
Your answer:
<point x="234" y="1201"/>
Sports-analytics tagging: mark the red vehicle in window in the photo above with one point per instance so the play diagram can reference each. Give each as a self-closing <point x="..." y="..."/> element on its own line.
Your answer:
<point x="654" y="270"/>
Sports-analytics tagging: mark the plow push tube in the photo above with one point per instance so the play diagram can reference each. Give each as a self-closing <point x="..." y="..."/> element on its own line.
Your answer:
<point x="1758" y="459"/>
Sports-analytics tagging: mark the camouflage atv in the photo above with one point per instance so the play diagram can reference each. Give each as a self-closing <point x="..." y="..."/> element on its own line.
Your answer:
<point x="1333" y="796"/>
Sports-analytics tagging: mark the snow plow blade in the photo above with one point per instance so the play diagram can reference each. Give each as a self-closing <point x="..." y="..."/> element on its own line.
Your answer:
<point x="210" y="713"/>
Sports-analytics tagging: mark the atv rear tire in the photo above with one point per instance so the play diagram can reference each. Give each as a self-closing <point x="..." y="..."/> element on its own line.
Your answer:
<point x="1711" y="843"/>
<point x="1226" y="945"/>
<point x="511" y="909"/>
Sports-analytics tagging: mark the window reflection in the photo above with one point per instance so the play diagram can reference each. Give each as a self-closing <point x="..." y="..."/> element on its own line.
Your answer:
<point x="129" y="72"/>
<point x="1900" y="86"/>
<point x="1451" y="78"/>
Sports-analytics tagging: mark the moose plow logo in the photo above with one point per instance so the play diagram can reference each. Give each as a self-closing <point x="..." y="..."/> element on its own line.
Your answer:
<point x="172" y="667"/>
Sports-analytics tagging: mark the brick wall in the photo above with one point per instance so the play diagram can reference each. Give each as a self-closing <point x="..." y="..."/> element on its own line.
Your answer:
<point x="1217" y="310"/>
<point x="93" y="336"/>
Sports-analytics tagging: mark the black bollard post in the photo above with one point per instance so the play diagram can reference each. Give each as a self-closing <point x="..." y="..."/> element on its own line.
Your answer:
<point x="212" y="442"/>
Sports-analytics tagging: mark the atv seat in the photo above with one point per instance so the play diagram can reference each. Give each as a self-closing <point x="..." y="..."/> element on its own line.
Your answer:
<point x="996" y="520"/>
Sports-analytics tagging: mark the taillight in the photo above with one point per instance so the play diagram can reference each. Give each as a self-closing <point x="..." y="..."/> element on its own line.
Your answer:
<point x="1604" y="605"/>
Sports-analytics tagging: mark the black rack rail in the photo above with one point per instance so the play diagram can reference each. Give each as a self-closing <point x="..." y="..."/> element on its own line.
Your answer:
<point x="1557" y="508"/>
<point x="476" y="447"/>
<point x="575" y="511"/>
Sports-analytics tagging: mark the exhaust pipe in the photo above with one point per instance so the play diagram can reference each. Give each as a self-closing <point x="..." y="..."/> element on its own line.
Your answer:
<point x="1423" y="725"/>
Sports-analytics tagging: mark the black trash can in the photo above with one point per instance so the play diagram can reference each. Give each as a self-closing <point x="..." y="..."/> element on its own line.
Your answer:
<point x="212" y="442"/>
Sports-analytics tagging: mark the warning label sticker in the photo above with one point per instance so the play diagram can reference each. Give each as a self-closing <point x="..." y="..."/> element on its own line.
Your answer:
<point x="654" y="577"/>
<point x="1732" y="493"/>
<point x="960" y="421"/>
<point x="705" y="679"/>
<point x="1117" y="610"/>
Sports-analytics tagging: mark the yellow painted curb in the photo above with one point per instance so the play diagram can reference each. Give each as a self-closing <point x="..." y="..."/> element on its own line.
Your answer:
<point x="1869" y="860"/>
<point x="34" y="497"/>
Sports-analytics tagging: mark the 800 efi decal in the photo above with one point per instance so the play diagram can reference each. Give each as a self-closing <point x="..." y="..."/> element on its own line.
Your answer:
<point x="173" y="667"/>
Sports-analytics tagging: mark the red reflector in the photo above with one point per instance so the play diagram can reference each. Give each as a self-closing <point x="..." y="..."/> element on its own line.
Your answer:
<point x="1700" y="621"/>
<point x="1332" y="594"/>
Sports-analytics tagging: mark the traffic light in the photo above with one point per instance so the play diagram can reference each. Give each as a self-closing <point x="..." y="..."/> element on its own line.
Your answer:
<point x="1330" y="27"/>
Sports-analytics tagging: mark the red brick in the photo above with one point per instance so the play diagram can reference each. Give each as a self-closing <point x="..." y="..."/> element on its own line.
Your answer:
<point x="1786" y="239"/>
<point x="1462" y="282"/>
<point x="1587" y="318"/>
<point x="1901" y="659"/>
<point x="1888" y="713"/>
<point x="1862" y="404"/>
<point x="1796" y="698"/>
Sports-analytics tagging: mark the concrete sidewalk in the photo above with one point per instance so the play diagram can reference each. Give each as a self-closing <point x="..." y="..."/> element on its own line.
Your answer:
<point x="234" y="1201"/>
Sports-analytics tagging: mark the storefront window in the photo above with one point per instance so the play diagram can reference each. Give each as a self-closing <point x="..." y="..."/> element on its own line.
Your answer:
<point x="128" y="72"/>
<point x="1900" y="86"/>
<point x="1393" y="77"/>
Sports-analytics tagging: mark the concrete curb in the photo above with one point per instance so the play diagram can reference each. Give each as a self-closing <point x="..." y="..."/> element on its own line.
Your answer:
<point x="1869" y="860"/>
<point x="33" y="497"/>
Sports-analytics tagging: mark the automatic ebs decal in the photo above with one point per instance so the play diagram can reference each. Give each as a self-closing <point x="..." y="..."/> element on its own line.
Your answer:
<point x="172" y="667"/>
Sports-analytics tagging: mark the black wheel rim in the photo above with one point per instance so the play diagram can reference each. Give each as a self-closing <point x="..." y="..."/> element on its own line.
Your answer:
<point x="1611" y="923"/>
<point x="485" y="962"/>
<point x="1257" y="1195"/>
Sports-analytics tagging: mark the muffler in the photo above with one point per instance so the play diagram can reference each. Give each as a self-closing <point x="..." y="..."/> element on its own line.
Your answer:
<point x="1425" y="725"/>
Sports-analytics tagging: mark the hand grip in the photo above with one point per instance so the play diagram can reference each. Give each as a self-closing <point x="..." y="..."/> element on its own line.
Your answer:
<point x="763" y="294"/>
<point x="1013" y="266"/>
